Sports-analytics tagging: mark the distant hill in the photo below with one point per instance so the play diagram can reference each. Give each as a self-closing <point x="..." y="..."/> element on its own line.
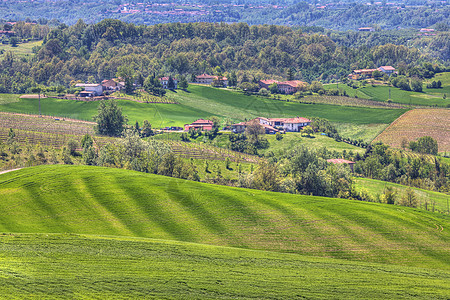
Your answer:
<point x="102" y="201"/>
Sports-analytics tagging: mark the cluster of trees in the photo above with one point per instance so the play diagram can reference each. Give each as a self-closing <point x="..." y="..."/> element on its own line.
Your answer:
<point x="251" y="140"/>
<point x="424" y="145"/>
<point x="301" y="171"/>
<point x="381" y="162"/>
<point x="408" y="84"/>
<point x="247" y="54"/>
<point x="434" y="85"/>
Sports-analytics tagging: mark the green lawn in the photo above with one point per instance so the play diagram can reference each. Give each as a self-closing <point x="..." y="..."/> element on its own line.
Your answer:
<point x="68" y="266"/>
<point x="24" y="49"/>
<point x="317" y="141"/>
<point x="104" y="201"/>
<point x="202" y="102"/>
<point x="376" y="187"/>
<point x="381" y="93"/>
<point x="349" y="90"/>
<point x="365" y="132"/>
<point x="445" y="80"/>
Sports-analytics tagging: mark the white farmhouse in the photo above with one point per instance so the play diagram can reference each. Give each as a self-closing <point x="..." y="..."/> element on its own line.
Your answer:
<point x="95" y="88"/>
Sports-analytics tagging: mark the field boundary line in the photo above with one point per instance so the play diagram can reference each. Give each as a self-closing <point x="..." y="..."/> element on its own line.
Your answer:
<point x="392" y="124"/>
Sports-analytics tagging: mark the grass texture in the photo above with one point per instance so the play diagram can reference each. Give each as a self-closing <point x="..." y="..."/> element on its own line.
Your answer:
<point x="94" y="200"/>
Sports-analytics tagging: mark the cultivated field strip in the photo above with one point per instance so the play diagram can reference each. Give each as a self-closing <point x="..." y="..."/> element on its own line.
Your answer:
<point x="204" y="151"/>
<point x="94" y="200"/>
<point x="60" y="266"/>
<point x="417" y="123"/>
<point x="45" y="124"/>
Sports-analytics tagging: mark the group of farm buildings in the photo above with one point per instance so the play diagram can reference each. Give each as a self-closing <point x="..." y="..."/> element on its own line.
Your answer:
<point x="270" y="125"/>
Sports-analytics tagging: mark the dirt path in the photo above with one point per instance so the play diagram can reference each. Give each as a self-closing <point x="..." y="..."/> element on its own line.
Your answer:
<point x="6" y="171"/>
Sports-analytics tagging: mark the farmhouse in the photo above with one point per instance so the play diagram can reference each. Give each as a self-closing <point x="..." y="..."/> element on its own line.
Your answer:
<point x="200" y="124"/>
<point x="110" y="85"/>
<point x="273" y="125"/>
<point x="285" y="87"/>
<point x="386" y="69"/>
<point x="341" y="161"/>
<point x="367" y="73"/>
<point x="289" y="87"/>
<point x="366" y="29"/>
<point x="165" y="82"/>
<point x="209" y="79"/>
<point x="95" y="88"/>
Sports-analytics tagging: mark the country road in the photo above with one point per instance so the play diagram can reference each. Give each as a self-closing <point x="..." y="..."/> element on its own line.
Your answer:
<point x="2" y="172"/>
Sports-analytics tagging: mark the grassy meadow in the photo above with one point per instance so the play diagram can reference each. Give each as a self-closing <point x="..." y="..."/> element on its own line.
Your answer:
<point x="62" y="266"/>
<point x="202" y="102"/>
<point x="23" y="49"/>
<point x="376" y="187"/>
<point x="104" y="201"/>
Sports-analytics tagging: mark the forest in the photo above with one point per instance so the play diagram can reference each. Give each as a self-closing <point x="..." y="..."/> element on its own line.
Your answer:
<point x="93" y="52"/>
<point x="343" y="15"/>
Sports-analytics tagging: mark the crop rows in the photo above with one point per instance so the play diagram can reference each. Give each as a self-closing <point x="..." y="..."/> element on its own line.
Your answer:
<point x="45" y="124"/>
<point x="144" y="97"/>
<point x="417" y="123"/>
<point x="191" y="150"/>
<point x="348" y="101"/>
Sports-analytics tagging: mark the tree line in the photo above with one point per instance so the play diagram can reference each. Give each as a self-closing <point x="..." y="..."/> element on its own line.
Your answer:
<point x="243" y="53"/>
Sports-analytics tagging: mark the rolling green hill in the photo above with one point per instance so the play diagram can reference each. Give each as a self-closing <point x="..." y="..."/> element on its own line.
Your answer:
<point x="202" y="102"/>
<point x="103" y="201"/>
<point x="66" y="266"/>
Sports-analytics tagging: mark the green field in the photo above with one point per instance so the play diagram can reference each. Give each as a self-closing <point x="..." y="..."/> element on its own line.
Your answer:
<point x="24" y="49"/>
<point x="445" y="80"/>
<point x="381" y="93"/>
<point x="202" y="102"/>
<point x="103" y="201"/>
<point x="67" y="266"/>
<point x="376" y="187"/>
<point x="351" y="92"/>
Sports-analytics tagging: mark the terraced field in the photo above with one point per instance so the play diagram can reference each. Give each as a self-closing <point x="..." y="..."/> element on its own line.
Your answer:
<point x="417" y="123"/>
<point x="102" y="201"/>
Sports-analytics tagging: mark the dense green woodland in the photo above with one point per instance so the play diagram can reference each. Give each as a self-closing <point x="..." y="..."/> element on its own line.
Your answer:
<point x="342" y="16"/>
<point x="95" y="52"/>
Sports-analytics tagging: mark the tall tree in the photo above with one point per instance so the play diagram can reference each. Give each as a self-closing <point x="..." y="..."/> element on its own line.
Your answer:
<point x="110" y="119"/>
<point x="127" y="74"/>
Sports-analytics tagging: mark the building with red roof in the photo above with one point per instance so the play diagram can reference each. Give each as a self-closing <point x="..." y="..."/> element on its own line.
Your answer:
<point x="200" y="124"/>
<point x="209" y="79"/>
<point x="341" y="161"/>
<point x="165" y="82"/>
<point x="273" y="125"/>
<point x="285" y="87"/>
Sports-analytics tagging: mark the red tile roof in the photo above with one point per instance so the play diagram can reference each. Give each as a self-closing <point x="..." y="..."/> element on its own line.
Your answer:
<point x="293" y="83"/>
<point x="201" y="121"/>
<point x="290" y="120"/>
<point x="388" y="68"/>
<point x="340" y="161"/>
<point x="205" y="76"/>
<point x="166" y="78"/>
<point x="269" y="81"/>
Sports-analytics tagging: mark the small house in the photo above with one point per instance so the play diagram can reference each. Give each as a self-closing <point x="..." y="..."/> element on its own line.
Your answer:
<point x="165" y="82"/>
<point x="95" y="88"/>
<point x="387" y="70"/>
<point x="200" y="124"/>
<point x="342" y="161"/>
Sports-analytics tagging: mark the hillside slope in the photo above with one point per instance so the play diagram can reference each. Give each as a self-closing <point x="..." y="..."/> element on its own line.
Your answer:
<point x="67" y="266"/>
<point x="202" y="102"/>
<point x="93" y="200"/>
